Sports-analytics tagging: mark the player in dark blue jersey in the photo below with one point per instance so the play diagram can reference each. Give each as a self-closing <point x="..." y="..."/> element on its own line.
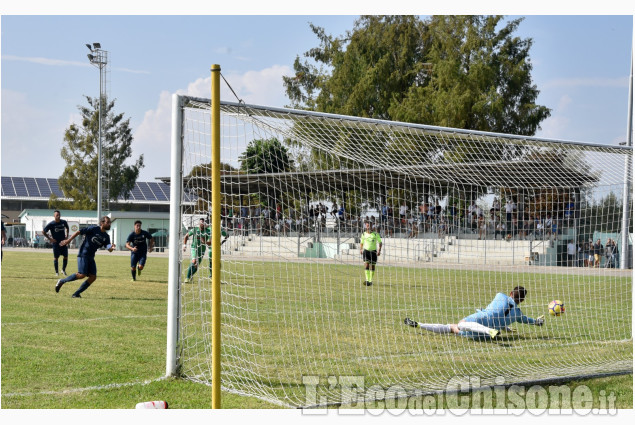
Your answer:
<point x="58" y="230"/>
<point x="138" y="246"/>
<point x="95" y="237"/>
<point x="487" y="323"/>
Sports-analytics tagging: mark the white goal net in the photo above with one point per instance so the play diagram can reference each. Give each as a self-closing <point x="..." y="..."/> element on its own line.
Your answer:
<point x="462" y="216"/>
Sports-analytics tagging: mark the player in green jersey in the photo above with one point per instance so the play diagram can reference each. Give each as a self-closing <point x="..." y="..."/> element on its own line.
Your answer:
<point x="370" y="242"/>
<point x="201" y="238"/>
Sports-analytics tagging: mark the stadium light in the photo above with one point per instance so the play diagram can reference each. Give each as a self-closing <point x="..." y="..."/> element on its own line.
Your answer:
<point x="99" y="58"/>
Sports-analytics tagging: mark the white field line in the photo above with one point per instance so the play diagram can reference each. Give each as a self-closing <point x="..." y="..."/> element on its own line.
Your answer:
<point x="79" y="390"/>
<point x="80" y="320"/>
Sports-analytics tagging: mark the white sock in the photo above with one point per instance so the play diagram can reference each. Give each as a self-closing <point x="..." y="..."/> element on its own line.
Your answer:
<point x="474" y="327"/>
<point x="436" y="328"/>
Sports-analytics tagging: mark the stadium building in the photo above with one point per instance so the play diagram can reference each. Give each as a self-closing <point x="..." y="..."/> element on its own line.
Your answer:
<point x="26" y="210"/>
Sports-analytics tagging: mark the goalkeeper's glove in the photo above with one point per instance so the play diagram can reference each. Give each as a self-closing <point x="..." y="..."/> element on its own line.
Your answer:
<point x="540" y="321"/>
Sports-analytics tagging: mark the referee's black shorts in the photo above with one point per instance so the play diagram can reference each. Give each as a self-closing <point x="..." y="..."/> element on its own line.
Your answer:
<point x="370" y="256"/>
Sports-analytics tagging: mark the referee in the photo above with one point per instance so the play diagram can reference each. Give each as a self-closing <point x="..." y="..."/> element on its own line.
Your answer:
<point x="370" y="241"/>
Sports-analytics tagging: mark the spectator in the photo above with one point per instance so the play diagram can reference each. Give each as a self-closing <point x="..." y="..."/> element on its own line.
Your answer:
<point x="441" y="227"/>
<point x="340" y="213"/>
<point x="403" y="213"/>
<point x="587" y="251"/>
<point x="413" y="229"/>
<point x="391" y="221"/>
<point x="530" y="226"/>
<point x="500" y="229"/>
<point x="548" y="225"/>
<point x="384" y="214"/>
<point x="482" y="227"/>
<point x="598" y="250"/>
<point x="510" y="207"/>
<point x="454" y="215"/>
<point x="429" y="217"/>
<point x="514" y="230"/>
<point x="569" y="211"/>
<point x="437" y="212"/>
<point x="473" y="222"/>
<point x="581" y="257"/>
<point x="610" y="251"/>
<point x="571" y="253"/>
<point x="540" y="226"/>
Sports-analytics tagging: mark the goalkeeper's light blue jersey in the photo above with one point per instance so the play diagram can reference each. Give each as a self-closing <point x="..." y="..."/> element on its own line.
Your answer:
<point x="500" y="313"/>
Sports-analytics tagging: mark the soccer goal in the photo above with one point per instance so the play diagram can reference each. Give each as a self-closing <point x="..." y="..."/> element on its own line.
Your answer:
<point x="462" y="215"/>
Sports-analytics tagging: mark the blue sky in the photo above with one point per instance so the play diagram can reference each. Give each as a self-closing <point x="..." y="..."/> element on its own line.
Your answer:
<point x="581" y="67"/>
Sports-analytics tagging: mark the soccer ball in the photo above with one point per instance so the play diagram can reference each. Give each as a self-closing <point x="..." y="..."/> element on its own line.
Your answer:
<point x="556" y="308"/>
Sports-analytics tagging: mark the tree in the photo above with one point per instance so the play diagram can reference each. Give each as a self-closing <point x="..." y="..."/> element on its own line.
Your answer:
<point x="454" y="71"/>
<point x="79" y="179"/>
<point x="198" y="183"/>
<point x="265" y="156"/>
<point x="480" y="78"/>
<point x="467" y="72"/>
<point x="372" y="66"/>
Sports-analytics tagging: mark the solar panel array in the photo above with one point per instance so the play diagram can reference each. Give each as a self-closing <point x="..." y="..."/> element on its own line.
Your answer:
<point x="37" y="187"/>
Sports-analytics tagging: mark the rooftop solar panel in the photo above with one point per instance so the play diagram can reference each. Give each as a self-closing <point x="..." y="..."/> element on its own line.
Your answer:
<point x="43" y="185"/>
<point x="165" y="189"/>
<point x="31" y="187"/>
<point x="7" y="187"/>
<point x="55" y="188"/>
<point x="136" y="194"/>
<point x="38" y="187"/>
<point x="20" y="187"/>
<point x="158" y="191"/>
<point x="146" y="191"/>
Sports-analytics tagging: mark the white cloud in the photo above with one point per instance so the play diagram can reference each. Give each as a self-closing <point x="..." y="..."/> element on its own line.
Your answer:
<point x="557" y="125"/>
<point x="260" y="87"/>
<point x="152" y="136"/>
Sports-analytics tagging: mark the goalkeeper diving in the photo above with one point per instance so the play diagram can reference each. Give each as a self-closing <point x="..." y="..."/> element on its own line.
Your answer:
<point x="487" y="323"/>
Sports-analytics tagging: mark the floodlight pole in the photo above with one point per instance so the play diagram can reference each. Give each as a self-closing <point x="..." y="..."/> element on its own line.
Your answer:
<point x="99" y="58"/>
<point x="626" y="197"/>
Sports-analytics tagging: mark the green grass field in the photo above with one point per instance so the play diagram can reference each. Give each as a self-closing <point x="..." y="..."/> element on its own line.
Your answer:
<point x="107" y="350"/>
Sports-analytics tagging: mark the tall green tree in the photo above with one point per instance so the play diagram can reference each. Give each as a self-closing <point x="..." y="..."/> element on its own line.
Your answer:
<point x="364" y="71"/>
<point x="480" y="78"/>
<point x="467" y="72"/>
<point x="80" y="151"/>
<point x="265" y="156"/>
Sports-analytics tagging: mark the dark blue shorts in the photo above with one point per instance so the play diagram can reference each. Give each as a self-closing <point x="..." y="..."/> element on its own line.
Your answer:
<point x="86" y="266"/>
<point x="60" y="250"/>
<point x="138" y="257"/>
